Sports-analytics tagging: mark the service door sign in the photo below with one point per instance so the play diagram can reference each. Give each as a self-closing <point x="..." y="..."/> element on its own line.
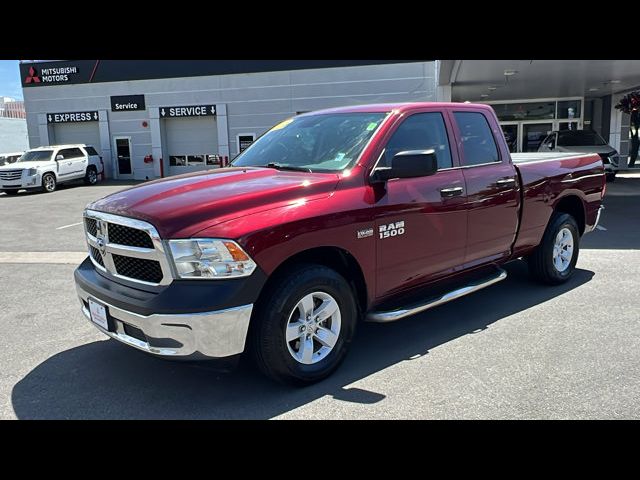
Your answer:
<point x="127" y="103"/>
<point x="188" y="111"/>
<point x="72" y="117"/>
<point x="244" y="141"/>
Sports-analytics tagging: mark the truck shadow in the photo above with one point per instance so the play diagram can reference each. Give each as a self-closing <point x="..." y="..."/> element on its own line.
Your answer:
<point x="106" y="380"/>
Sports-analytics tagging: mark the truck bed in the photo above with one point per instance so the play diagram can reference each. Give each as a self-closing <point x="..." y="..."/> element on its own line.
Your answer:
<point x="545" y="178"/>
<point x="543" y="156"/>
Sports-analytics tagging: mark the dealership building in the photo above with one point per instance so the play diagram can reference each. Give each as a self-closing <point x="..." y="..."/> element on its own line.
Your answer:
<point x="154" y="118"/>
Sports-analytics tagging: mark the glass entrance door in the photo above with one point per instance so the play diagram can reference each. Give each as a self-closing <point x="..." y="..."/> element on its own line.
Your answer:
<point x="533" y="134"/>
<point x="510" y="131"/>
<point x="525" y="136"/>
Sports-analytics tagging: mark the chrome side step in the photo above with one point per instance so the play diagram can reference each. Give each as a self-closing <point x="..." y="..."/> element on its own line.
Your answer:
<point x="392" y="316"/>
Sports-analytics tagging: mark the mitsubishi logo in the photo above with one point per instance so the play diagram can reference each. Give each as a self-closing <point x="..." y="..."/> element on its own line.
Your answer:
<point x="32" y="77"/>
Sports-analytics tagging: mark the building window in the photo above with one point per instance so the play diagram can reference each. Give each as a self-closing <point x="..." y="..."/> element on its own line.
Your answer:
<point x="569" y="109"/>
<point x="525" y="111"/>
<point x="244" y="140"/>
<point x="194" y="160"/>
<point x="550" y="110"/>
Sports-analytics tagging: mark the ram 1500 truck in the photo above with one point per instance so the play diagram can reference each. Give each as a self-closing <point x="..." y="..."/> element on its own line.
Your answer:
<point x="371" y="213"/>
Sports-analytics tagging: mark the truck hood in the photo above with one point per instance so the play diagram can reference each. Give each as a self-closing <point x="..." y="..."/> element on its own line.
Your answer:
<point x="19" y="165"/>
<point x="183" y="205"/>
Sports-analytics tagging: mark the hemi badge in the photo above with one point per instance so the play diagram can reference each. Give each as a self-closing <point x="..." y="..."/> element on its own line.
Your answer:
<point x="367" y="232"/>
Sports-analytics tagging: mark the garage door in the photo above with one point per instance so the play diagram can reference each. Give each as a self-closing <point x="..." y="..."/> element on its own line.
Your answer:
<point x="85" y="132"/>
<point x="191" y="144"/>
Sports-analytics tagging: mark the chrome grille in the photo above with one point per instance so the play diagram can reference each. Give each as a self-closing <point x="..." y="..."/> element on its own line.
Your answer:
<point x="91" y="225"/>
<point x="146" y="270"/>
<point x="126" y="248"/>
<point x="95" y="255"/>
<point x="9" y="175"/>
<point x="129" y="236"/>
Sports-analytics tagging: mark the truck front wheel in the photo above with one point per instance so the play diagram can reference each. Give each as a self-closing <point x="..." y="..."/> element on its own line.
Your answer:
<point x="304" y="325"/>
<point x="554" y="260"/>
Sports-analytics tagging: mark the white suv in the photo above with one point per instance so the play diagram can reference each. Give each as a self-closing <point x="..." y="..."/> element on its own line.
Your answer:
<point x="46" y="167"/>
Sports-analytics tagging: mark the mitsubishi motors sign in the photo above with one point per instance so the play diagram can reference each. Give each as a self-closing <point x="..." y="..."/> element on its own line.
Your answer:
<point x="41" y="74"/>
<point x="52" y="76"/>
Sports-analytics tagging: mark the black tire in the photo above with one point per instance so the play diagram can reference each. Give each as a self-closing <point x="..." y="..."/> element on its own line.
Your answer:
<point x="541" y="263"/>
<point x="268" y="340"/>
<point x="11" y="192"/>
<point x="91" y="177"/>
<point x="49" y="183"/>
<point x="611" y="177"/>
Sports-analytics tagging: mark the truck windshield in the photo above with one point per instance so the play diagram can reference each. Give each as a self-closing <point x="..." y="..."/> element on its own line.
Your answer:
<point x="579" y="138"/>
<point x="316" y="143"/>
<point x="36" y="156"/>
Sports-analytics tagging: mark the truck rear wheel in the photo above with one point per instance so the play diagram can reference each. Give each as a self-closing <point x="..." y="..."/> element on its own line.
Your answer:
<point x="305" y="325"/>
<point x="554" y="260"/>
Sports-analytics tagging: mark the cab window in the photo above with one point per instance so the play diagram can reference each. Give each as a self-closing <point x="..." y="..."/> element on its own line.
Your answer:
<point x="421" y="131"/>
<point x="478" y="145"/>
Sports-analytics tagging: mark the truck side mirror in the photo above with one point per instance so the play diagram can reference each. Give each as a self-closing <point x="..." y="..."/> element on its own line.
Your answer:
<point x="407" y="164"/>
<point x="59" y="157"/>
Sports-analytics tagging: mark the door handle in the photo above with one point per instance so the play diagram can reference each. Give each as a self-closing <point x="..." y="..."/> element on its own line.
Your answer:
<point x="506" y="182"/>
<point x="70" y="163"/>
<point x="451" y="192"/>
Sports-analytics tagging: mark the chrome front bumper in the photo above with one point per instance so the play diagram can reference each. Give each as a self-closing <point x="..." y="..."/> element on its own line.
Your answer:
<point x="208" y="334"/>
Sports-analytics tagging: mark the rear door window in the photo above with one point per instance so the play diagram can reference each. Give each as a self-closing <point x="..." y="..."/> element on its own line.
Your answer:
<point x="478" y="145"/>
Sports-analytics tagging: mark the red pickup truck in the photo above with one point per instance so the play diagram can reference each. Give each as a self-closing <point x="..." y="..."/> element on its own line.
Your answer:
<point x="373" y="212"/>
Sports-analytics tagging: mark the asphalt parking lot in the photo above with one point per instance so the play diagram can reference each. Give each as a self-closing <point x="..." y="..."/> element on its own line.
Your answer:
<point x="515" y="350"/>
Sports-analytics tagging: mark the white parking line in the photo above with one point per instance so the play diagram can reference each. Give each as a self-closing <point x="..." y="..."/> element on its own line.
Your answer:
<point x="43" y="257"/>
<point x="67" y="226"/>
<point x="600" y="227"/>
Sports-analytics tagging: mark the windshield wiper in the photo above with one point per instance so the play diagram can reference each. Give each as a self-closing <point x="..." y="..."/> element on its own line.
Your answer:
<point x="279" y="166"/>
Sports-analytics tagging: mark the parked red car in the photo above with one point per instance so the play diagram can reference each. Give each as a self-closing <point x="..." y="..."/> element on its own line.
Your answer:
<point x="372" y="212"/>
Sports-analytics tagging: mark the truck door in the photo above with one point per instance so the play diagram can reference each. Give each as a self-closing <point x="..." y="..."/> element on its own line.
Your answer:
<point x="420" y="223"/>
<point x="492" y="188"/>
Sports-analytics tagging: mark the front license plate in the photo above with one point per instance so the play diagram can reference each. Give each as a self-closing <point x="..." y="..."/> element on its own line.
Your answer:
<point x="98" y="314"/>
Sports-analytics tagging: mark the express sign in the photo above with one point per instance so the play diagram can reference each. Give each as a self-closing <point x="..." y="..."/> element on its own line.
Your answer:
<point x="188" y="111"/>
<point x="72" y="117"/>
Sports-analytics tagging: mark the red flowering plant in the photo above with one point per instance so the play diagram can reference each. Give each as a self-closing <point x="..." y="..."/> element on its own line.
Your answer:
<point x="630" y="104"/>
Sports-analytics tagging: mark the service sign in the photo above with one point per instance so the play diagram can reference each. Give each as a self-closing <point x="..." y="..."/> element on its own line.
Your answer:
<point x="127" y="103"/>
<point x="188" y="111"/>
<point x="73" y="117"/>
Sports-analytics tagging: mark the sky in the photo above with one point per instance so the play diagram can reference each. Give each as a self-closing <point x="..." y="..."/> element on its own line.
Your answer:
<point x="10" y="79"/>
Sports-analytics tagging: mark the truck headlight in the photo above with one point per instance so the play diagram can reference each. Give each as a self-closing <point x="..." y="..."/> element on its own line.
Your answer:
<point x="32" y="171"/>
<point x="210" y="258"/>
